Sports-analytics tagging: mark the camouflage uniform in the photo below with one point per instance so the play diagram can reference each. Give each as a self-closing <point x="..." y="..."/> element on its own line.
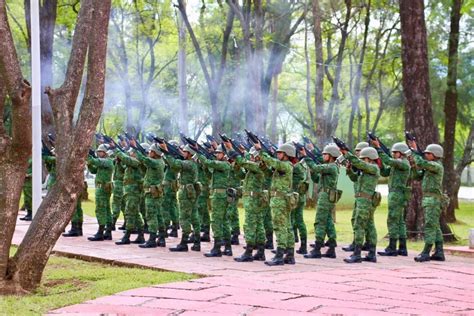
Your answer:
<point x="118" y="201"/>
<point x="28" y="193"/>
<point x="204" y="177"/>
<point x="102" y="168"/>
<point x="300" y="185"/>
<point x="50" y="163"/>
<point x="170" y="204"/>
<point x="235" y="176"/>
<point x="267" y="211"/>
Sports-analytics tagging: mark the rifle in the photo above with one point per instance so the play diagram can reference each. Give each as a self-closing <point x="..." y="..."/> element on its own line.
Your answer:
<point x="235" y="144"/>
<point x="45" y="151"/>
<point x="138" y="146"/>
<point x="410" y="137"/>
<point x="110" y="141"/>
<point x="211" y="138"/>
<point x="372" y="136"/>
<point x="243" y="141"/>
<point x="172" y="150"/>
<point x="254" y="140"/>
<point x="309" y="154"/>
<point x="92" y="153"/>
<point x="318" y="152"/>
<point x="194" y="144"/>
<point x="340" y="143"/>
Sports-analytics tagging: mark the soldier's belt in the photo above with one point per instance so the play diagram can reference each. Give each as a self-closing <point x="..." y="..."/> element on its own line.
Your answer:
<point x="218" y="191"/>
<point x="278" y="194"/>
<point x="364" y="195"/>
<point x="252" y="193"/>
<point x="102" y="185"/>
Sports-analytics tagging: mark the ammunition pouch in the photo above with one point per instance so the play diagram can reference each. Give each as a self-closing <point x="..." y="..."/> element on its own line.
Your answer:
<point x="107" y="187"/>
<point x="174" y="185"/>
<point x="376" y="199"/>
<point x="231" y="195"/>
<point x="240" y="192"/>
<point x="292" y="199"/>
<point x="265" y="197"/>
<point x="198" y="188"/>
<point x="190" y="191"/>
<point x="303" y="188"/>
<point x="156" y="191"/>
<point x="334" y="195"/>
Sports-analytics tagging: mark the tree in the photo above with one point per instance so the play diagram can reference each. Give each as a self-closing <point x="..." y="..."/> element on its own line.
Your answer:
<point x="182" y="84"/>
<point x="23" y="272"/>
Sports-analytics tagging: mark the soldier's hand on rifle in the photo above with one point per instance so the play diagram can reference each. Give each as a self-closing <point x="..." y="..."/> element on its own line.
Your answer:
<point x="133" y="143"/>
<point x="242" y="148"/>
<point x="310" y="146"/>
<point x="375" y="143"/>
<point x="303" y="152"/>
<point x="227" y="145"/>
<point x="258" y="146"/>
<point x="412" y="144"/>
<point x="348" y="165"/>
<point x="343" y="151"/>
<point x="163" y="146"/>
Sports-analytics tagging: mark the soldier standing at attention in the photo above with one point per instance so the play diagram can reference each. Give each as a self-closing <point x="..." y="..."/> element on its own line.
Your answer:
<point x="300" y="185"/>
<point x="220" y="169"/>
<point x="399" y="171"/>
<point x="430" y="170"/>
<point x="170" y="207"/>
<point x="279" y="202"/>
<point x="102" y="167"/>
<point x="204" y="176"/>
<point x="153" y="188"/>
<point x="366" y="200"/>
<point x="326" y="175"/>
<point x="187" y="197"/>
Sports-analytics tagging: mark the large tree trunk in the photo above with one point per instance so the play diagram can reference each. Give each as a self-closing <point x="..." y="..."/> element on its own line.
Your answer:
<point x="319" y="82"/>
<point x="451" y="110"/>
<point x="25" y="269"/>
<point x="182" y="85"/>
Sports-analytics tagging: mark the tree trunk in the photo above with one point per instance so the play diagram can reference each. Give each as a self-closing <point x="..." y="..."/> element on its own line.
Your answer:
<point x="182" y="85"/>
<point x="319" y="83"/>
<point x="451" y="110"/>
<point x="274" y="130"/>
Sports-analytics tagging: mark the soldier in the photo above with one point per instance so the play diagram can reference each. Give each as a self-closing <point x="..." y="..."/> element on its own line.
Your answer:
<point x="353" y="174"/>
<point x="267" y="211"/>
<point x="430" y="170"/>
<point x="398" y="168"/>
<point x="236" y="175"/>
<point x="153" y="190"/>
<point x="300" y="185"/>
<point x="102" y="167"/>
<point x="326" y="175"/>
<point x="253" y="196"/>
<point x="366" y="200"/>
<point x="220" y="169"/>
<point x="27" y="193"/>
<point x="118" y="201"/>
<point x="204" y="176"/>
<point x="187" y="197"/>
<point x="279" y="203"/>
<point x="170" y="204"/>
<point x="132" y="192"/>
<point x="76" y="220"/>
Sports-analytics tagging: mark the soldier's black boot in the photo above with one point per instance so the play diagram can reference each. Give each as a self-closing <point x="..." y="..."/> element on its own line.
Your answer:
<point x="235" y="238"/>
<point x="331" y="252"/>
<point x="371" y="256"/>
<point x="260" y="255"/>
<point x="197" y="242"/>
<point x="425" y="254"/>
<point x="269" y="242"/>
<point x="191" y="238"/>
<point x="215" y="251"/>
<point x="145" y="227"/>
<point x="439" y="252"/>
<point x="114" y="221"/>
<point x="247" y="255"/>
<point x="99" y="236"/>
<point x="303" y="248"/>
<point x="140" y="238"/>
<point x="108" y="232"/>
<point x="315" y="253"/>
<point x="205" y="235"/>
<point x="227" y="248"/>
<point x="278" y="259"/>
<point x="28" y="217"/>
<point x="125" y="239"/>
<point x="355" y="257"/>
<point x="365" y="247"/>
<point x="295" y="232"/>
<point x="73" y="232"/>
<point x="124" y="226"/>
<point x="349" y="248"/>
<point x="391" y="250"/>
<point x="79" y="228"/>
<point x="174" y="231"/>
<point x="151" y="242"/>
<point x="182" y="246"/>
<point x="402" y="247"/>
<point x="161" y="238"/>
<point x="290" y="256"/>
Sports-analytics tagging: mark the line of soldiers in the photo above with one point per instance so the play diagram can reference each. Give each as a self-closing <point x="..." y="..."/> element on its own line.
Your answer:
<point x="160" y="191"/>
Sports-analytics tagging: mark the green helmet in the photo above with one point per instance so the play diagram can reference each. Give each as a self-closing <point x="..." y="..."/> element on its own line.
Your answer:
<point x="156" y="149"/>
<point x="361" y="145"/>
<point x="110" y="153"/>
<point x="332" y="150"/>
<point x="103" y="148"/>
<point x="435" y="149"/>
<point x="254" y="152"/>
<point x="189" y="150"/>
<point x="288" y="149"/>
<point x="145" y="146"/>
<point x="220" y="149"/>
<point x="369" y="152"/>
<point x="174" y="142"/>
<point x="400" y="147"/>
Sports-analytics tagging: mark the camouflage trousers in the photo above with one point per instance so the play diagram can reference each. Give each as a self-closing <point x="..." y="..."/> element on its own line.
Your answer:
<point x="78" y="216"/>
<point x="395" y="219"/>
<point x="188" y="212"/>
<point x="323" y="221"/>
<point x="132" y="206"/>
<point x="353" y="217"/>
<point x="297" y="219"/>
<point x="219" y="218"/>
<point x="154" y="217"/>
<point x="170" y="206"/>
<point x="282" y="222"/>
<point x="118" y="202"/>
<point x="267" y="218"/>
<point x="432" y="229"/>
<point x="28" y="194"/>
<point x="102" y="206"/>
<point x="233" y="216"/>
<point x="253" y="226"/>
<point x="203" y="208"/>
<point x="364" y="226"/>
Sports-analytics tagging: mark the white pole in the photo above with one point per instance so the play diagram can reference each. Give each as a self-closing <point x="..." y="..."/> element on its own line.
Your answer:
<point x="36" y="104"/>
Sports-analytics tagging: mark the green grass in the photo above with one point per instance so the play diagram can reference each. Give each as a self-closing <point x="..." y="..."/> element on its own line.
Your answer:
<point x="70" y="281"/>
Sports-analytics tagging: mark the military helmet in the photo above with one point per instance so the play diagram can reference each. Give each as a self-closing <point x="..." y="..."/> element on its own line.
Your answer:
<point x="131" y="150"/>
<point x="254" y="152"/>
<point x="361" y="145"/>
<point x="435" y="149"/>
<point x="332" y="150"/>
<point x="220" y="149"/>
<point x="110" y="153"/>
<point x="103" y="148"/>
<point x="369" y="152"/>
<point x="400" y="147"/>
<point x="145" y="146"/>
<point x="288" y="149"/>
<point x="189" y="149"/>
<point x="156" y="149"/>
<point x="174" y="142"/>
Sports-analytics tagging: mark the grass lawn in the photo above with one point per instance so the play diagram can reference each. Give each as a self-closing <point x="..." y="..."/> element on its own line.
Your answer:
<point x="70" y="281"/>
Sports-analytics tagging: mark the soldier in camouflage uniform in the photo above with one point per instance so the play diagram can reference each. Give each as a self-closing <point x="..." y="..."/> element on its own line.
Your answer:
<point x="27" y="193"/>
<point x="253" y="198"/>
<point x="300" y="185"/>
<point x="365" y="202"/>
<point x="267" y="211"/>
<point x="398" y="169"/>
<point x="236" y="175"/>
<point x="279" y="203"/>
<point x="102" y="167"/>
<point x="132" y="192"/>
<point x="220" y="169"/>
<point x="353" y="175"/>
<point x="170" y="203"/>
<point x="204" y="176"/>
<point x="430" y="170"/>
<point x="187" y="197"/>
<point x="153" y="188"/>
<point x="118" y="201"/>
<point x="326" y="175"/>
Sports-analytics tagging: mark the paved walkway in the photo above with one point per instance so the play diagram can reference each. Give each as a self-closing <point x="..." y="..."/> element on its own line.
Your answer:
<point x="391" y="286"/>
